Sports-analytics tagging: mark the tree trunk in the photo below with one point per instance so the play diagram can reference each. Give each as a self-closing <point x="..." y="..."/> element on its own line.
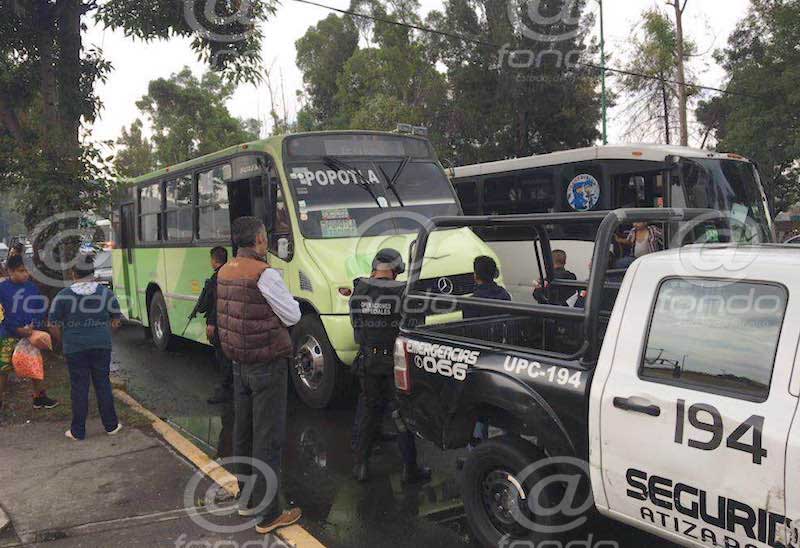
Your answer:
<point x="665" y="98"/>
<point x="680" y="63"/>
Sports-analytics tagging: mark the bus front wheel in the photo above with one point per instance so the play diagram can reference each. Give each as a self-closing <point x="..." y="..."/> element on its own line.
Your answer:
<point x="318" y="377"/>
<point x="159" y="322"/>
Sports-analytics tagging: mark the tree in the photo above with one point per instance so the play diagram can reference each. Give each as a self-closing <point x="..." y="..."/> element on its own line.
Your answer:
<point x="189" y="117"/>
<point x="654" y="104"/>
<point x="479" y="100"/>
<point x="759" y="117"/>
<point x="47" y="79"/>
<point x="517" y="87"/>
<point x="136" y="155"/>
<point x="680" y="62"/>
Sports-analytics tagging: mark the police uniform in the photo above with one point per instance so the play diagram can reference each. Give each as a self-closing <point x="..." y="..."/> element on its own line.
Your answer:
<point x="375" y="312"/>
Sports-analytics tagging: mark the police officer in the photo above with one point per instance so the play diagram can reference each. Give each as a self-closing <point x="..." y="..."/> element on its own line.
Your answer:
<point x="375" y="312"/>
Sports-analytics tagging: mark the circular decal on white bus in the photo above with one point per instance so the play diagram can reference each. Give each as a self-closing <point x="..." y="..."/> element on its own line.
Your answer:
<point x="583" y="193"/>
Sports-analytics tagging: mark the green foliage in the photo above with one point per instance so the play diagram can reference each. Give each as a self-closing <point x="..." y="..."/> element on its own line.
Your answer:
<point x="136" y="155"/>
<point x="652" y="111"/>
<point x="189" y="119"/>
<point x="761" y="121"/>
<point x="47" y="82"/>
<point x="372" y="75"/>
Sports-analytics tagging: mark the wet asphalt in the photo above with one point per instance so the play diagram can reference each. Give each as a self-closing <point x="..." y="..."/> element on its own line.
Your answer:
<point x="317" y="461"/>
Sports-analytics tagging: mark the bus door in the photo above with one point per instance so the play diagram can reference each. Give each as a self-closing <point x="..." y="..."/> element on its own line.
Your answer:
<point x="128" y="300"/>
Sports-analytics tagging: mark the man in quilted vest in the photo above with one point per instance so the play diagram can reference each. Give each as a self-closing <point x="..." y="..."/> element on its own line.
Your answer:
<point x="254" y="312"/>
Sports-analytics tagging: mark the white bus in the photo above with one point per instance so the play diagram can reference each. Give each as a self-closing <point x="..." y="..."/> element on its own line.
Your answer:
<point x="606" y="178"/>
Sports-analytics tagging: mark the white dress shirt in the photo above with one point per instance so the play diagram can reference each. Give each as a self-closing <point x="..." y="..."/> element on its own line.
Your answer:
<point x="278" y="296"/>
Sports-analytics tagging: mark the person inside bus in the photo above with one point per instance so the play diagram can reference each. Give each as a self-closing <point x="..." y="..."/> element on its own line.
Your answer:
<point x="544" y="294"/>
<point x="485" y="273"/>
<point x="207" y="305"/>
<point x="642" y="240"/>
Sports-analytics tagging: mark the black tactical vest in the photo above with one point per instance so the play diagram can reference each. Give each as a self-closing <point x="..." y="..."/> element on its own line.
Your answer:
<point x="375" y="311"/>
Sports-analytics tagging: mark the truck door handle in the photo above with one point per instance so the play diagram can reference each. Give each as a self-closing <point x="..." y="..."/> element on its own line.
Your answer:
<point x="627" y="405"/>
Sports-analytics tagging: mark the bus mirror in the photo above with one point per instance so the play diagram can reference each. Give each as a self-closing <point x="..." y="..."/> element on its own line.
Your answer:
<point x="283" y="249"/>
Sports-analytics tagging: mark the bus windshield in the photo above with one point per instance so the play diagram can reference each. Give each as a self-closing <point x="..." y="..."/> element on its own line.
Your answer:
<point x="732" y="187"/>
<point x="353" y="197"/>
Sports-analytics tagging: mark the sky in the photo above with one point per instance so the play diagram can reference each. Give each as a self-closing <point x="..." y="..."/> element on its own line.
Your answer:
<point x="136" y="63"/>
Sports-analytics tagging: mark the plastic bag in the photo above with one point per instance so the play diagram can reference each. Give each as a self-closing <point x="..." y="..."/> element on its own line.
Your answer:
<point x="27" y="361"/>
<point x="41" y="340"/>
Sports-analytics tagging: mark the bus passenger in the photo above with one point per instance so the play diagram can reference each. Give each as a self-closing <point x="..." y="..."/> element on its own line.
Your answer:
<point x="643" y="239"/>
<point x="544" y="294"/>
<point x="485" y="272"/>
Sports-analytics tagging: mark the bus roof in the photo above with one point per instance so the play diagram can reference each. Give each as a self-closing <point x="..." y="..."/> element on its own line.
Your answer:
<point x="656" y="153"/>
<point x="271" y="144"/>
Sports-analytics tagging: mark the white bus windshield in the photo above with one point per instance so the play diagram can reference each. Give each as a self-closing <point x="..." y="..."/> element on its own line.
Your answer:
<point x="337" y="202"/>
<point x="732" y="187"/>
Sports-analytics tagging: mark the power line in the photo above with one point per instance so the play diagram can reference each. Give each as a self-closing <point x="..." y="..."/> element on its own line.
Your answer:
<point x="484" y="43"/>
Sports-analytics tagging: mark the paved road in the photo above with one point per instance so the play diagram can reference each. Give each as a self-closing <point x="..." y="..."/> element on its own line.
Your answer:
<point x="339" y="511"/>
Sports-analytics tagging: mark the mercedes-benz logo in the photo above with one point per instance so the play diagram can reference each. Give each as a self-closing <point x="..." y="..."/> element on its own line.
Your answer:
<point x="445" y="285"/>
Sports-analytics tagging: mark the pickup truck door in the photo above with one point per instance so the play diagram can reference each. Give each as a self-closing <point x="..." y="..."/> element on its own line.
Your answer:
<point x="696" y="410"/>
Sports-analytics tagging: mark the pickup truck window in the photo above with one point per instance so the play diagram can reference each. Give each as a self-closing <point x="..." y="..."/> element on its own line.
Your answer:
<point x="715" y="336"/>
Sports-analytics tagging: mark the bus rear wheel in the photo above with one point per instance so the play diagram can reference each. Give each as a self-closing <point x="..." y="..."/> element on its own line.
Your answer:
<point x="319" y="378"/>
<point x="159" y="322"/>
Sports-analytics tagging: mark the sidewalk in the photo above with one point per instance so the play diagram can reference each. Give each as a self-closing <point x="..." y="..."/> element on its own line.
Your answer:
<point x="126" y="489"/>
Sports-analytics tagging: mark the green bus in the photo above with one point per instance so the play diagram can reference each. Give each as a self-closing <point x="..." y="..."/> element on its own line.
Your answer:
<point x="330" y="201"/>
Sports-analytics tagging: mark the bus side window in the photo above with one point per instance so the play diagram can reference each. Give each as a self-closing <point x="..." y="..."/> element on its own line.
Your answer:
<point x="468" y="196"/>
<point x="213" y="217"/>
<point x="150" y="199"/>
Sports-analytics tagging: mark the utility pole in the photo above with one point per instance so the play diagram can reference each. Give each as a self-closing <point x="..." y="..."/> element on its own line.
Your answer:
<point x="683" y="93"/>
<point x="604" y="100"/>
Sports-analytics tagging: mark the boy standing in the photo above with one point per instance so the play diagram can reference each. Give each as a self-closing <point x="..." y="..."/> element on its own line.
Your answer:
<point x="24" y="309"/>
<point x="83" y="316"/>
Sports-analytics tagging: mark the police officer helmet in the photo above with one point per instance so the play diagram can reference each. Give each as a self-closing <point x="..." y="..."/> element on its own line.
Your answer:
<point x="389" y="258"/>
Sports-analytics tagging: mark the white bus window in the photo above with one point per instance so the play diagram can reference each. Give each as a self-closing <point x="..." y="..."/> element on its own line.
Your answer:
<point x="526" y="192"/>
<point x="468" y="196"/>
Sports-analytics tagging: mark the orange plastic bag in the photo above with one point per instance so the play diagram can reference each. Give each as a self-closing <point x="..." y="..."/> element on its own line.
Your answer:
<point x="27" y="361"/>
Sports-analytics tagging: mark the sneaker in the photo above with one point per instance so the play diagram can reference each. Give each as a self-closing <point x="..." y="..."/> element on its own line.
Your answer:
<point x="288" y="517"/>
<point x="70" y="435"/>
<point x="115" y="430"/>
<point x="43" y="402"/>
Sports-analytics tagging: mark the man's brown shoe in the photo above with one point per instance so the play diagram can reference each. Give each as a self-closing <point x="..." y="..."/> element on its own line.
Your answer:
<point x="288" y="517"/>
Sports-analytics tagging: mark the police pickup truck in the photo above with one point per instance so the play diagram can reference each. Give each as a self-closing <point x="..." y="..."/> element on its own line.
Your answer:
<point x="676" y="413"/>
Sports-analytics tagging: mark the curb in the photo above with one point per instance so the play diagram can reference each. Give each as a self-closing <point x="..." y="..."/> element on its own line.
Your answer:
<point x="293" y="535"/>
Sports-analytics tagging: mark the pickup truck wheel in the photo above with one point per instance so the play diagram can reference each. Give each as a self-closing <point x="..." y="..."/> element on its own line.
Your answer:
<point x="319" y="378"/>
<point x="496" y="501"/>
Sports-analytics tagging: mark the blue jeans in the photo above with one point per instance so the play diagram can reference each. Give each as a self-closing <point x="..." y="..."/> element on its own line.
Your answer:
<point x="91" y="365"/>
<point x="259" y="430"/>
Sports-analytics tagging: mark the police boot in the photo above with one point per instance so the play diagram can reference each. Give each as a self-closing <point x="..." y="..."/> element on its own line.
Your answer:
<point x="361" y="472"/>
<point x="413" y="473"/>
